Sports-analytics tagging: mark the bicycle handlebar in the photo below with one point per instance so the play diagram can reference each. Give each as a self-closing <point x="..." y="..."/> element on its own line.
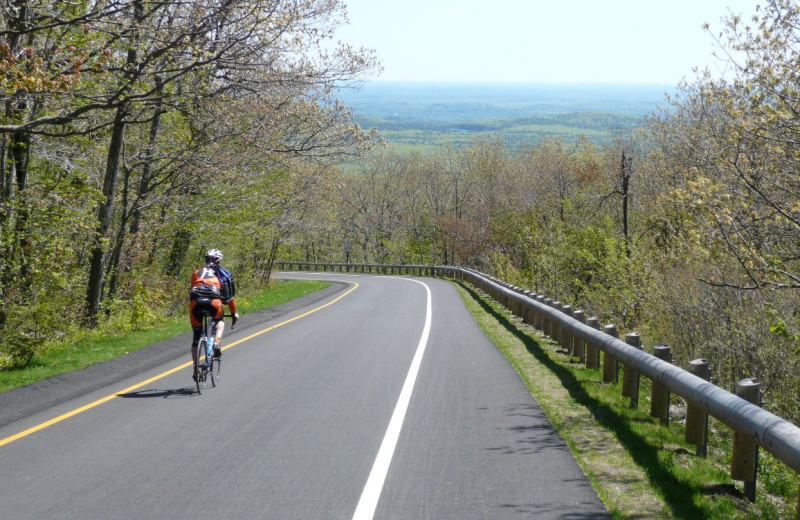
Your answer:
<point x="233" y="318"/>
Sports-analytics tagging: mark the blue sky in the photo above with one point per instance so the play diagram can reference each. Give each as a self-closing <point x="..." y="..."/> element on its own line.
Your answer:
<point x="611" y="41"/>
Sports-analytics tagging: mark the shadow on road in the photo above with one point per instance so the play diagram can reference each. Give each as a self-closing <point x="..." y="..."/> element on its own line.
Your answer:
<point x="165" y="394"/>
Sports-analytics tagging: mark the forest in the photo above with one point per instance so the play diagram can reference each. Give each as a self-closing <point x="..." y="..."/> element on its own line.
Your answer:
<point x="684" y="230"/>
<point x="137" y="134"/>
<point x="422" y="116"/>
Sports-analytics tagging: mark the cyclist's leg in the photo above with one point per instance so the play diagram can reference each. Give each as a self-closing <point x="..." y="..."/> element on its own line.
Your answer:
<point x="217" y="325"/>
<point x="196" y="333"/>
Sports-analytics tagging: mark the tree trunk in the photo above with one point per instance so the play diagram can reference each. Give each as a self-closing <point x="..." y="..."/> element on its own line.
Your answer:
<point x="119" y="241"/>
<point x="94" y="294"/>
<point x="20" y="150"/>
<point x="177" y="255"/>
<point x="5" y="200"/>
<point x="135" y="213"/>
<point x="145" y="179"/>
<point x="273" y="251"/>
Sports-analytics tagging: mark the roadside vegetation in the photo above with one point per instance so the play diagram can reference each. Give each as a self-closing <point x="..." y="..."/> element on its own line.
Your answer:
<point x="685" y="231"/>
<point x="136" y="135"/>
<point x="131" y="329"/>
<point x="640" y="468"/>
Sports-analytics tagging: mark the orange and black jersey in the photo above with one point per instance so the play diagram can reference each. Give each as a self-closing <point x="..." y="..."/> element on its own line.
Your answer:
<point x="213" y="282"/>
<point x="206" y="284"/>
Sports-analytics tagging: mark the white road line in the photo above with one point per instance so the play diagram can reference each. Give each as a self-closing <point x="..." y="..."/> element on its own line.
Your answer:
<point x="372" y="490"/>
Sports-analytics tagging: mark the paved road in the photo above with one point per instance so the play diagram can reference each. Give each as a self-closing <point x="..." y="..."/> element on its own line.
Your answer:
<point x="386" y="403"/>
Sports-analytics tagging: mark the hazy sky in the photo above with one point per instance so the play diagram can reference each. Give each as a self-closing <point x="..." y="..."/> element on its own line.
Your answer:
<point x="620" y="41"/>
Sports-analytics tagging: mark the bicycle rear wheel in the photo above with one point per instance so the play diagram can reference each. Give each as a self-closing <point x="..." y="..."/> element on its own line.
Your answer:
<point x="201" y="363"/>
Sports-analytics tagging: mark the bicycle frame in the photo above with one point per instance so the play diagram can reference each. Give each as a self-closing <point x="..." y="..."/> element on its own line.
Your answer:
<point x="205" y="363"/>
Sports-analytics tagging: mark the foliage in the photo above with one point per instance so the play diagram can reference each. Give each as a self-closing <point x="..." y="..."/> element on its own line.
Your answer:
<point x="122" y="139"/>
<point x="655" y="231"/>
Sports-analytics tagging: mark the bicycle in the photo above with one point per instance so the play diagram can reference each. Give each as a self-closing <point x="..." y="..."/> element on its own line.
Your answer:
<point x="206" y="363"/>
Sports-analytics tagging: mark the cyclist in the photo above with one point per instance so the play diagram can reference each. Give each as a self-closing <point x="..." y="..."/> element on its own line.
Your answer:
<point x="212" y="286"/>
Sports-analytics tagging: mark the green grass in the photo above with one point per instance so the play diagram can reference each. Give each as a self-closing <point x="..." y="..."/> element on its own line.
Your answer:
<point x="113" y="339"/>
<point x="639" y="468"/>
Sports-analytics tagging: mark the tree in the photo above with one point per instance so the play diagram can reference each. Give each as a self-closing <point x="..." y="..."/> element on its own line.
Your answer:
<point x="744" y="143"/>
<point x="224" y="49"/>
<point x="118" y="116"/>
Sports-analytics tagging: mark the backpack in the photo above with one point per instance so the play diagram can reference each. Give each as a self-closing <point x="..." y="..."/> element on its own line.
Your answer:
<point x="228" y="285"/>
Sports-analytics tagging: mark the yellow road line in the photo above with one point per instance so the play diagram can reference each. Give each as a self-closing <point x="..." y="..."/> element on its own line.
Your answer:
<point x="107" y="398"/>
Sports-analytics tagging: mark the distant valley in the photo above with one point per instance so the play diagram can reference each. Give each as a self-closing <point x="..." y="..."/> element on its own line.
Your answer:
<point x="421" y="115"/>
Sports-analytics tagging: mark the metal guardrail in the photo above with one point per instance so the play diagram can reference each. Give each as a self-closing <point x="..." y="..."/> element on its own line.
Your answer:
<point x="751" y="423"/>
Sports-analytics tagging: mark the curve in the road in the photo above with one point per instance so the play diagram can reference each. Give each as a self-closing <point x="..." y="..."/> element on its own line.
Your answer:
<point x="372" y="490"/>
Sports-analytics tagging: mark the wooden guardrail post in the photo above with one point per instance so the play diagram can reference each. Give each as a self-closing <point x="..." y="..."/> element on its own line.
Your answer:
<point x="696" y="418"/>
<point x="610" y="364"/>
<point x="630" y="378"/>
<point x="547" y="327"/>
<point x="745" y="449"/>
<point x="659" y="399"/>
<point x="539" y="316"/>
<point x="579" y="343"/>
<point x="527" y="310"/>
<point x="556" y="325"/>
<point x="566" y="334"/>
<point x="592" y="352"/>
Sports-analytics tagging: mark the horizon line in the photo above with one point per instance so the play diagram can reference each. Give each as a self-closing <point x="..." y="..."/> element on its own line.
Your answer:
<point x="516" y="82"/>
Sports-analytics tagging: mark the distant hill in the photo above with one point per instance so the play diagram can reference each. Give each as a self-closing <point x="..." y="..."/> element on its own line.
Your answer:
<point x="428" y="114"/>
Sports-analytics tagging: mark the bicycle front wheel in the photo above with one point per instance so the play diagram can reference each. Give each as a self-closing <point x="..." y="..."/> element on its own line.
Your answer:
<point x="216" y="366"/>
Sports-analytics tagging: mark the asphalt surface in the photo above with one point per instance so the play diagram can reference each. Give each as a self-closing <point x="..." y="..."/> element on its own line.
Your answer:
<point x="297" y="426"/>
<point x="22" y="402"/>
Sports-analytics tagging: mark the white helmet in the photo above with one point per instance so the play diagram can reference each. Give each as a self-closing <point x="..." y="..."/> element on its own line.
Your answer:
<point x="213" y="256"/>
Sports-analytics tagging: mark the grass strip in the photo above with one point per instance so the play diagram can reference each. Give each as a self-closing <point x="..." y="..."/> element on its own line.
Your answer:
<point x="114" y="338"/>
<point x="639" y="468"/>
